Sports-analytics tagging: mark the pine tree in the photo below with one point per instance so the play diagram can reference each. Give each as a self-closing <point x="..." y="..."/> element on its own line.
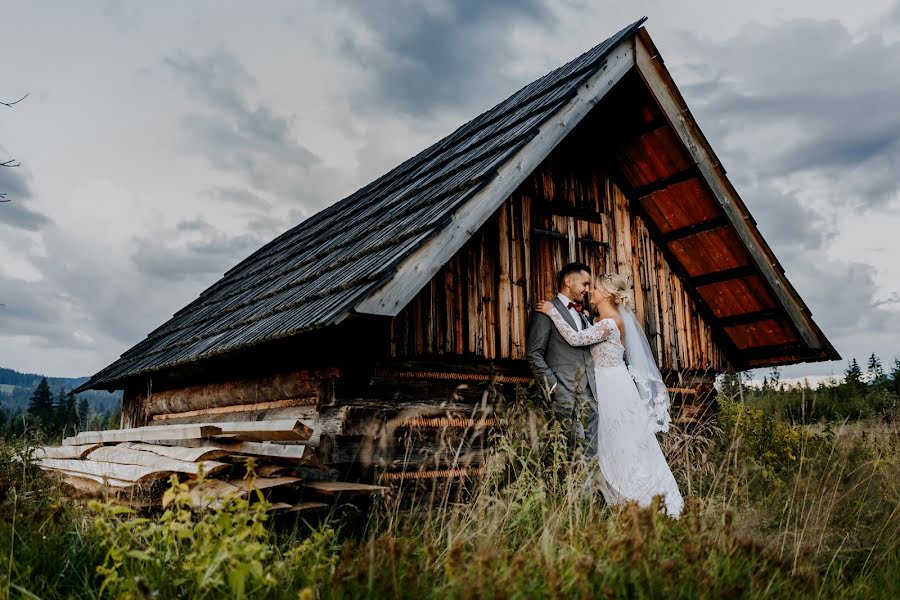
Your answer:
<point x="875" y="371"/>
<point x="69" y="420"/>
<point x="58" y="414"/>
<point x="895" y="375"/>
<point x="730" y="385"/>
<point x="853" y="375"/>
<point x="113" y="419"/>
<point x="82" y="412"/>
<point x="41" y="403"/>
<point x="776" y="378"/>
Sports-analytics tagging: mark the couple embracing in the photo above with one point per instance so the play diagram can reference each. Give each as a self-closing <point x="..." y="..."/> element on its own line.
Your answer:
<point x="602" y="379"/>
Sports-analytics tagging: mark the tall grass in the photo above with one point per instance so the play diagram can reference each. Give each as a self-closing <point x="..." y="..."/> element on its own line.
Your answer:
<point x="773" y="510"/>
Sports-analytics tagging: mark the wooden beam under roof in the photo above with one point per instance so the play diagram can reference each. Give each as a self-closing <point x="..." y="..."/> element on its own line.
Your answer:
<point x="723" y="276"/>
<point x="747" y="318"/>
<point x="659" y="82"/>
<point x="779" y="350"/>
<point x="694" y="229"/>
<point x="659" y="185"/>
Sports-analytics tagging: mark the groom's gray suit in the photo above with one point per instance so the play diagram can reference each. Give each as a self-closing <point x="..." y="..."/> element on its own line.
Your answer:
<point x="554" y="362"/>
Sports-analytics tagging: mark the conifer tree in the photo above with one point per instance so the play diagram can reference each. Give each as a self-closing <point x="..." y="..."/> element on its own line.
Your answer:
<point x="776" y="378"/>
<point x="82" y="412"/>
<point x="69" y="419"/>
<point x="895" y="375"/>
<point x="730" y="385"/>
<point x="113" y="419"/>
<point x="58" y="414"/>
<point x="853" y="375"/>
<point x="875" y="371"/>
<point x="41" y="403"/>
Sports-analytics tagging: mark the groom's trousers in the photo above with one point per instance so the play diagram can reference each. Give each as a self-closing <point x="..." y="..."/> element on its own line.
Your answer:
<point x="576" y="407"/>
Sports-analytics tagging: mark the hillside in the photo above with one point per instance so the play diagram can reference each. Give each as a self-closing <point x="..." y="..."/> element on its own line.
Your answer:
<point x="16" y="388"/>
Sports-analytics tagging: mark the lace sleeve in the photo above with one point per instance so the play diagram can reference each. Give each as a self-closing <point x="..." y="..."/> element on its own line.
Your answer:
<point x="586" y="337"/>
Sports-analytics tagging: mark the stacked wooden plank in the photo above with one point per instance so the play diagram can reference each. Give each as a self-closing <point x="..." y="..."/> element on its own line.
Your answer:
<point x="420" y="450"/>
<point x="134" y="466"/>
<point x="422" y="432"/>
<point x="409" y="446"/>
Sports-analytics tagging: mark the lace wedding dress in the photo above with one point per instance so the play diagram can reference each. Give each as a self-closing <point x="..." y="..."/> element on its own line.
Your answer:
<point x="631" y="462"/>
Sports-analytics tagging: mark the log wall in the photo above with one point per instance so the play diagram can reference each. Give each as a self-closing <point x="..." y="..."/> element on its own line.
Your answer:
<point x="479" y="304"/>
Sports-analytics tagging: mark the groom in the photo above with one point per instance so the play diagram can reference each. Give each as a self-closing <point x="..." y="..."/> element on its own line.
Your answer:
<point x="567" y="372"/>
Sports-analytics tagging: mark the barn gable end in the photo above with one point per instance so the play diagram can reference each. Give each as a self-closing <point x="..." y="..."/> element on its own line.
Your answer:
<point x="677" y="188"/>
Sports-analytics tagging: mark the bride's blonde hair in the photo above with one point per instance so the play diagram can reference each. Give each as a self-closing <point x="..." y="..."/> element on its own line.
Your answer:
<point x="620" y="287"/>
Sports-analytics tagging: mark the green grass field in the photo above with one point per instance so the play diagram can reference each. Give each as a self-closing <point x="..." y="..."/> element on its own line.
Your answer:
<point x="774" y="510"/>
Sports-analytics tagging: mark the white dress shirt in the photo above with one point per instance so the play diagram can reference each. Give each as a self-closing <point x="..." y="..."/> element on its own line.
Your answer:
<point x="579" y="323"/>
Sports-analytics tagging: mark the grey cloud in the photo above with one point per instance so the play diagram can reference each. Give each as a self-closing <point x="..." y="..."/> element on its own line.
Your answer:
<point x="217" y="78"/>
<point x="232" y="150"/>
<point x="13" y="182"/>
<point x="16" y="213"/>
<point x="192" y="225"/>
<point x="833" y="96"/>
<point x="37" y="310"/>
<point x="208" y="257"/>
<point x="841" y="296"/>
<point x="118" y="299"/>
<point x="236" y="137"/>
<point x="844" y="299"/>
<point x="892" y="300"/>
<point x="784" y="221"/>
<point x="239" y="196"/>
<point x="429" y="56"/>
<point x="266" y="227"/>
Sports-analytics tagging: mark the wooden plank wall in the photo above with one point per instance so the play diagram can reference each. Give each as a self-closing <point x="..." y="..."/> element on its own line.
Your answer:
<point x="478" y="305"/>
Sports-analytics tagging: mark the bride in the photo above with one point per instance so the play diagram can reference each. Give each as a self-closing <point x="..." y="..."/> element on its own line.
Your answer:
<point x="632" y="402"/>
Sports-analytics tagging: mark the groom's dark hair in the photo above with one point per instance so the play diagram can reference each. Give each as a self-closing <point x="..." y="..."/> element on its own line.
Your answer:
<point x="575" y="267"/>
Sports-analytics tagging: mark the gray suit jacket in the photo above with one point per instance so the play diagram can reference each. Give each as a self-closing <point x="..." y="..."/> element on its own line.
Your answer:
<point x="554" y="361"/>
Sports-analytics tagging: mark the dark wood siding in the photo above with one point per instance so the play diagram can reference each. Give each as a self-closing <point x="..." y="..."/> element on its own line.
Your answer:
<point x="478" y="305"/>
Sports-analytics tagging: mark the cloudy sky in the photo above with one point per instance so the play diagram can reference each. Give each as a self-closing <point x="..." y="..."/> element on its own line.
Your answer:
<point x="163" y="142"/>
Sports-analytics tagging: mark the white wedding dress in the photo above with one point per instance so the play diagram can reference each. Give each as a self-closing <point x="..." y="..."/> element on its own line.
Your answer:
<point x="632" y="465"/>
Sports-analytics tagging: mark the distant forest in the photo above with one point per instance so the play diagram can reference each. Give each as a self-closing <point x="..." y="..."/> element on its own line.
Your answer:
<point x="19" y="392"/>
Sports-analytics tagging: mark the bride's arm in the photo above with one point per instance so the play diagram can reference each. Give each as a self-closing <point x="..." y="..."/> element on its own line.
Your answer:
<point x="586" y="337"/>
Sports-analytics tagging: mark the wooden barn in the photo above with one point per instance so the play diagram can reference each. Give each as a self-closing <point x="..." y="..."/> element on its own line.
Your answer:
<point x="416" y="290"/>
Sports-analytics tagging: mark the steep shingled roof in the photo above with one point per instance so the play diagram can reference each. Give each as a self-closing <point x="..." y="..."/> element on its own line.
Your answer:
<point x="293" y="284"/>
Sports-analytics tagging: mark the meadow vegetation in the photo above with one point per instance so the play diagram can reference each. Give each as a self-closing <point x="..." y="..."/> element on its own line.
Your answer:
<point x="777" y="506"/>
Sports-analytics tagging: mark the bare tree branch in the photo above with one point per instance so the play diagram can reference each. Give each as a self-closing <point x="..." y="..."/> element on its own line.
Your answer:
<point x="11" y="162"/>
<point x="15" y="102"/>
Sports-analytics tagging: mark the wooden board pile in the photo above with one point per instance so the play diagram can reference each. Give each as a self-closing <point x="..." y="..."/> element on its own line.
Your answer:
<point x="134" y="466"/>
<point x="424" y="452"/>
<point x="389" y="443"/>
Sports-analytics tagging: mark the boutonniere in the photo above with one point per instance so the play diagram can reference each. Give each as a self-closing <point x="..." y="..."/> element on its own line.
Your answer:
<point x="586" y="314"/>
